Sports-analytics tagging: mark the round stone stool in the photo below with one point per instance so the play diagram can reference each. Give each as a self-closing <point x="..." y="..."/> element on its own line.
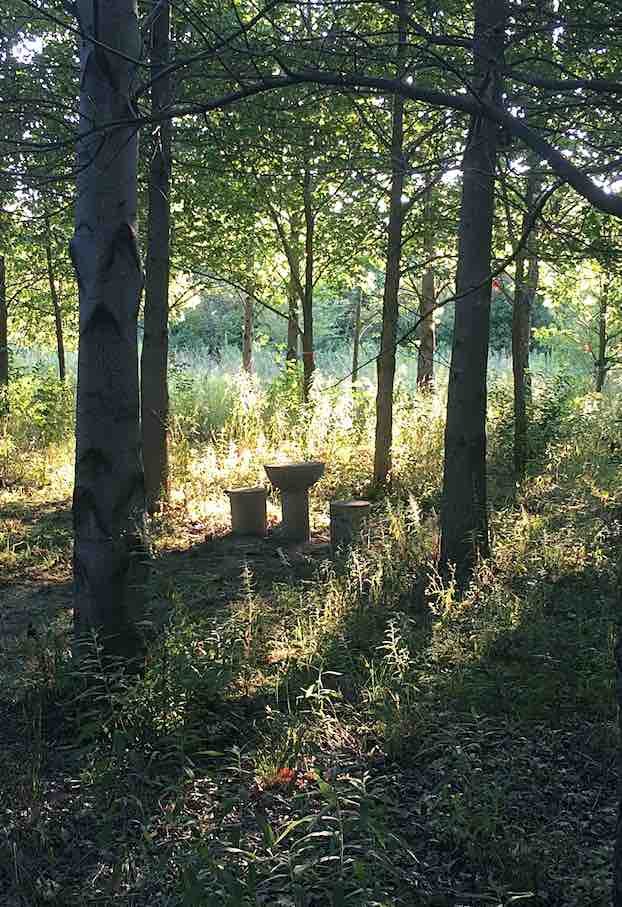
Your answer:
<point x="346" y="522"/>
<point x="248" y="510"/>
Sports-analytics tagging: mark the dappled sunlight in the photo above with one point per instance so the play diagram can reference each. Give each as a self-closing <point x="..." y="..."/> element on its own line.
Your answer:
<point x="291" y="693"/>
<point x="310" y="454"/>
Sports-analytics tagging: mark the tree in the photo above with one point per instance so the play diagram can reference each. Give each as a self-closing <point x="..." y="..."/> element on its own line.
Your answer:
<point x="154" y="357"/>
<point x="276" y="182"/>
<point x="427" y="344"/>
<point x="109" y="498"/>
<point x="390" y="301"/>
<point x="54" y="296"/>
<point x="308" y="356"/>
<point x="525" y="287"/>
<point x="247" y="336"/>
<point x="247" y="325"/>
<point x="587" y="308"/>
<point x="356" y="335"/>
<point x="293" y="329"/>
<point x="40" y="297"/>
<point x="4" y="336"/>
<point x="464" y="518"/>
<point x="10" y="125"/>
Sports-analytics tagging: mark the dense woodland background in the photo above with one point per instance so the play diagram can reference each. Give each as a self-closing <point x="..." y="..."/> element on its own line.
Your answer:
<point x="384" y="235"/>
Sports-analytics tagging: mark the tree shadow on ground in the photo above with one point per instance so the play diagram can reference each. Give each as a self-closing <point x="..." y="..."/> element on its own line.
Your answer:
<point x="37" y="542"/>
<point x="505" y="765"/>
<point x="211" y="573"/>
<point x="521" y="753"/>
<point x="35" y="589"/>
<point x="43" y="810"/>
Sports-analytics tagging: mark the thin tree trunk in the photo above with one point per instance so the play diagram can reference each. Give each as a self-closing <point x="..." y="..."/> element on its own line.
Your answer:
<point x="293" y="332"/>
<point x="308" y="358"/>
<point x="524" y="293"/>
<point x="617" y="856"/>
<point x="247" y="336"/>
<point x="464" y="518"/>
<point x="390" y="301"/>
<point x="58" y="319"/>
<point x="154" y="358"/>
<point x="4" y="336"/>
<point x="110" y="557"/>
<point x="427" y="339"/>
<point x="601" y="362"/>
<point x="60" y="343"/>
<point x="295" y="292"/>
<point x="356" y="339"/>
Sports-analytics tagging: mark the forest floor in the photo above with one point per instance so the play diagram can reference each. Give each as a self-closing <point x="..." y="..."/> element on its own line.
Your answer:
<point x="314" y="732"/>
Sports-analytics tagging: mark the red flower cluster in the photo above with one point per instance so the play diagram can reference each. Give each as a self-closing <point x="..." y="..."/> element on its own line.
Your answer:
<point x="283" y="778"/>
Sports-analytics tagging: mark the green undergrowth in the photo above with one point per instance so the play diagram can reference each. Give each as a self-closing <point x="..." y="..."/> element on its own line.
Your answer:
<point x="358" y="733"/>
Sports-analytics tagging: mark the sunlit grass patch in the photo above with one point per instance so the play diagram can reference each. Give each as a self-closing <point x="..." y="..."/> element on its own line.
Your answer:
<point x="35" y="542"/>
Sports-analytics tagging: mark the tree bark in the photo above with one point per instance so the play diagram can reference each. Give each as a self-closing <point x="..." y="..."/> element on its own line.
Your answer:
<point x="464" y="518"/>
<point x="356" y="338"/>
<point x="617" y="856"/>
<point x="601" y="361"/>
<point x="524" y="293"/>
<point x="247" y="336"/>
<point x="427" y="339"/>
<point x="154" y="358"/>
<point x="4" y="336"/>
<point x="110" y="552"/>
<point x="308" y="358"/>
<point x="390" y="301"/>
<point x="58" y="318"/>
<point x="295" y="292"/>
<point x="293" y="331"/>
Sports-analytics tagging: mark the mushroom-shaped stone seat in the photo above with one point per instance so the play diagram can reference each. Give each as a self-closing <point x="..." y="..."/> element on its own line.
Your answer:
<point x="293" y="480"/>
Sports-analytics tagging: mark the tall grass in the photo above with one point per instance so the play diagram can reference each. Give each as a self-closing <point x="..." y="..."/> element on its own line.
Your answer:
<point x="225" y="424"/>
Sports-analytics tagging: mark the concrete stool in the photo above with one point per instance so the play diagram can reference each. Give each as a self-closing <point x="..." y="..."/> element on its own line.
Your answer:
<point x="248" y="510"/>
<point x="293" y="480"/>
<point x="346" y="522"/>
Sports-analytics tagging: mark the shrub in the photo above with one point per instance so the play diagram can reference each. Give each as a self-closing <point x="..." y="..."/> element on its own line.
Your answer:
<point x="41" y="408"/>
<point x="551" y="416"/>
<point x="201" y="406"/>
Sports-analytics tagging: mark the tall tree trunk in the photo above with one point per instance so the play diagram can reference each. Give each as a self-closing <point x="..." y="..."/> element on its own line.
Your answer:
<point x="524" y="292"/>
<point x="247" y="336"/>
<point x="295" y="292"/>
<point x="293" y="332"/>
<point x="601" y="361"/>
<point x="390" y="303"/>
<point x="58" y="318"/>
<point x="617" y="856"/>
<point x="356" y="338"/>
<point x="154" y="358"/>
<point x="4" y="336"/>
<point x="427" y="339"/>
<point x="308" y="358"/>
<point x="60" y="343"/>
<point x="464" y="518"/>
<point x="110" y="557"/>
